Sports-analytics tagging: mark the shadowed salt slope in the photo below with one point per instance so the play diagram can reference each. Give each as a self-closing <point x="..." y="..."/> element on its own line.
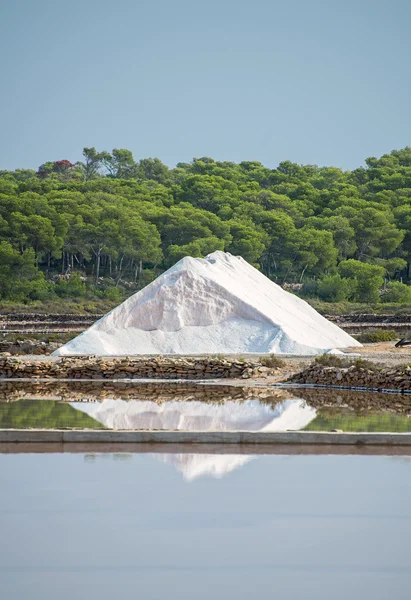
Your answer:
<point x="249" y="415"/>
<point x="219" y="304"/>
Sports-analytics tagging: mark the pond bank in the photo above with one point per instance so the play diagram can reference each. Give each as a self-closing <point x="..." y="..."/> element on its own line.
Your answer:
<point x="127" y="367"/>
<point x="329" y="370"/>
<point x="312" y="438"/>
<point x="362" y="374"/>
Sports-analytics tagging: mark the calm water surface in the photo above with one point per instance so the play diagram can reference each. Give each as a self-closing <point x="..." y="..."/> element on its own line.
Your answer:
<point x="200" y="408"/>
<point x="189" y="526"/>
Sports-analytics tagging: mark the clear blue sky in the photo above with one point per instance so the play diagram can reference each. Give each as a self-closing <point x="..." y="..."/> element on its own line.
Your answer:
<point x="323" y="82"/>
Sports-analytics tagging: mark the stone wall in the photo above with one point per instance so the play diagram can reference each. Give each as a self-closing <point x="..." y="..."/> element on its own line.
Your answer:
<point x="43" y="318"/>
<point x="158" y="391"/>
<point x="131" y="368"/>
<point x="359" y="401"/>
<point x="372" y="376"/>
<point x="21" y="347"/>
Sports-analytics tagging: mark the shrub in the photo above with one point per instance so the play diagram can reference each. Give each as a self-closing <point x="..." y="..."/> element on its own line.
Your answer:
<point x="36" y="289"/>
<point x="73" y="288"/>
<point x="366" y="280"/>
<point x="334" y="288"/>
<point x="272" y="361"/>
<point x="20" y="280"/>
<point x="113" y="293"/>
<point x="310" y="288"/>
<point x="397" y="292"/>
<point x="377" y="335"/>
<point x="362" y="363"/>
<point x="146" y="277"/>
<point x="329" y="360"/>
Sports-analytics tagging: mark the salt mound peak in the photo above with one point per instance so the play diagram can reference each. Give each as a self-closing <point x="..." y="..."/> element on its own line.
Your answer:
<point x="216" y="304"/>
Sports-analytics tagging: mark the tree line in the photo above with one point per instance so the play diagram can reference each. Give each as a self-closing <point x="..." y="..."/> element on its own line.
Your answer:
<point x="109" y="224"/>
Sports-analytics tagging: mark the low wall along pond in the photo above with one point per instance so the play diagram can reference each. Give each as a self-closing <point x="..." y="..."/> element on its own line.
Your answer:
<point x="132" y="368"/>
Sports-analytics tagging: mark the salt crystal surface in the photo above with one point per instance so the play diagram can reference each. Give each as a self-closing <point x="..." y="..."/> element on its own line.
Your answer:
<point x="217" y="304"/>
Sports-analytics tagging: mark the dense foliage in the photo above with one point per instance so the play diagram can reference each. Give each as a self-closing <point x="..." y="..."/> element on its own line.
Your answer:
<point x="108" y="225"/>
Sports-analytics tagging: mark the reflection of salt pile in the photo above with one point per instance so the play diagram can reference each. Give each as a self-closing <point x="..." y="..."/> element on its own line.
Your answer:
<point x="193" y="466"/>
<point x="250" y="415"/>
<point x="216" y="304"/>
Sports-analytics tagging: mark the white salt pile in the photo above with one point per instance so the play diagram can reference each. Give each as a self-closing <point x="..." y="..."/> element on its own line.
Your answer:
<point x="217" y="304"/>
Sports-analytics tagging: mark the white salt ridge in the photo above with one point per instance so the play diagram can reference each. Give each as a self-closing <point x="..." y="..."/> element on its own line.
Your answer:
<point x="217" y="304"/>
<point x="249" y="415"/>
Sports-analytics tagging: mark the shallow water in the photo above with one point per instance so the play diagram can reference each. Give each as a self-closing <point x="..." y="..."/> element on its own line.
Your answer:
<point x="192" y="407"/>
<point x="289" y="527"/>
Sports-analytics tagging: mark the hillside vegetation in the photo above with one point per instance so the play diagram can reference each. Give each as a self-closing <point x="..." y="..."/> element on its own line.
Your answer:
<point x="105" y="227"/>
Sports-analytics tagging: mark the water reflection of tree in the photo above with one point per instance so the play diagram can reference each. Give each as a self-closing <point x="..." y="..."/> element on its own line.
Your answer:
<point x="336" y="409"/>
<point x="44" y="414"/>
<point x="348" y="420"/>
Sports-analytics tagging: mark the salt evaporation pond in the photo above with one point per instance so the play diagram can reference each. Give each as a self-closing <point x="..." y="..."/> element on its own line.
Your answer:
<point x="219" y="304"/>
<point x="190" y="407"/>
<point x="130" y="525"/>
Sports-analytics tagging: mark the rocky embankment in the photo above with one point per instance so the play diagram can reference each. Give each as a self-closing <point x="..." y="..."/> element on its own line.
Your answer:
<point x="158" y="391"/>
<point x="359" y="401"/>
<point x="377" y="320"/>
<point x="21" y="347"/>
<point x="366" y="375"/>
<point x="28" y="318"/>
<point x="132" y="368"/>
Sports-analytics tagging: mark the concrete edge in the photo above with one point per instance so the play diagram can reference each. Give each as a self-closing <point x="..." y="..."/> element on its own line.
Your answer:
<point x="202" y="437"/>
<point x="93" y="448"/>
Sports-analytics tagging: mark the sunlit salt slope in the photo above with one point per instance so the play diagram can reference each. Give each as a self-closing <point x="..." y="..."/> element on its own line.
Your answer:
<point x="217" y="304"/>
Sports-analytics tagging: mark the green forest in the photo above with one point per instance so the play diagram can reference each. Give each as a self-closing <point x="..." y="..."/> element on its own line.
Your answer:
<point x="108" y="225"/>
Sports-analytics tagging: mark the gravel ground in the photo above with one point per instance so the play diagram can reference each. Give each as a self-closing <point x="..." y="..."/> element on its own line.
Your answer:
<point x="384" y="353"/>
